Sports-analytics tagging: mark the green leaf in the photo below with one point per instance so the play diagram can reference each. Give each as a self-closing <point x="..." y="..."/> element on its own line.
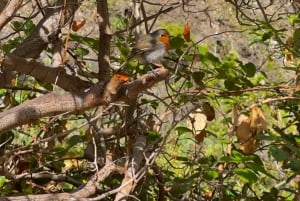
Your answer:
<point x="177" y="42"/>
<point x="266" y="137"/>
<point x="236" y="157"/>
<point x="75" y="139"/>
<point x="82" y="51"/>
<point x="153" y="136"/>
<point x="211" y="174"/>
<point x="279" y="154"/>
<point x="206" y="160"/>
<point x="294" y="164"/>
<point x="198" y="77"/>
<point x="243" y="81"/>
<point x="3" y="92"/>
<point x="118" y="22"/>
<point x="2" y="180"/>
<point x="256" y="167"/>
<point x="230" y="85"/>
<point x="16" y="25"/>
<point x="296" y="38"/>
<point x="246" y="175"/>
<point x="90" y="42"/>
<point x="182" y="129"/>
<point x="11" y="44"/>
<point x="249" y="69"/>
<point x="28" y="26"/>
<point x="293" y="19"/>
<point x="267" y="35"/>
<point x="206" y="56"/>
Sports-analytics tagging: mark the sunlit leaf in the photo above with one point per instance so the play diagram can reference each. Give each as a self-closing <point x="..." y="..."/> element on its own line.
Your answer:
<point x="246" y="175"/>
<point x="211" y="174"/>
<point x="11" y="44"/>
<point x="29" y="26"/>
<point x="82" y="51"/>
<point x="2" y="180"/>
<point x="206" y="55"/>
<point x="182" y="129"/>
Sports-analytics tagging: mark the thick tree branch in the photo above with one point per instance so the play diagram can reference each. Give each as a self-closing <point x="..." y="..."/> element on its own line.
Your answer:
<point x="9" y="11"/>
<point x="54" y="103"/>
<point x="130" y="91"/>
<point x="43" y="197"/>
<point x="41" y="72"/>
<point x="131" y="177"/>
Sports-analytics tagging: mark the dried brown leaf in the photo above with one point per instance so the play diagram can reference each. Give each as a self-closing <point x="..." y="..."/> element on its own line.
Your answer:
<point x="257" y="120"/>
<point x="209" y="111"/>
<point x="243" y="131"/>
<point x="200" y="136"/>
<point x="76" y="25"/>
<point x="187" y="32"/>
<point x="249" y="146"/>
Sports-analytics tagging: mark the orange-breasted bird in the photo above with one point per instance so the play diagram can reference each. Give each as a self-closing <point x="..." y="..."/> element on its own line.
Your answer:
<point x="150" y="48"/>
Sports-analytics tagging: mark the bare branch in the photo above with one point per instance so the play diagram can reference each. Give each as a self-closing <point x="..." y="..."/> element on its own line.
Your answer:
<point x="105" y="37"/>
<point x="130" y="179"/>
<point x="56" y="76"/>
<point x="47" y="29"/>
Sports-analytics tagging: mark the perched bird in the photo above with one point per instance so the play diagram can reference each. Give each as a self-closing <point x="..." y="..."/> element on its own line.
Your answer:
<point x="150" y="48"/>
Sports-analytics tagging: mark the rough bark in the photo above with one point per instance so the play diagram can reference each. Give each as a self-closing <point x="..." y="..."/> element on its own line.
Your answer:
<point x="105" y="37"/>
<point x="130" y="179"/>
<point x="54" y="103"/>
<point x="8" y="11"/>
<point x="41" y="72"/>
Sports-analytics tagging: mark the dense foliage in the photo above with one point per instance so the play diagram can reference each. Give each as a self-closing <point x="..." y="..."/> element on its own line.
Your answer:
<point x="224" y="125"/>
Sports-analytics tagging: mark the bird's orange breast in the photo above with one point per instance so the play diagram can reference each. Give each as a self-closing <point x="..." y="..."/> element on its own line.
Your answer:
<point x="166" y="40"/>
